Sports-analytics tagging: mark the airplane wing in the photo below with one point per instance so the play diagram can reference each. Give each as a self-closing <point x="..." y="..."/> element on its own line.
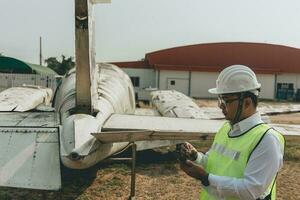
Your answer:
<point x="29" y="147"/>
<point x="29" y="150"/>
<point x="152" y="131"/>
<point x="129" y="128"/>
<point x="135" y="122"/>
<point x="133" y="128"/>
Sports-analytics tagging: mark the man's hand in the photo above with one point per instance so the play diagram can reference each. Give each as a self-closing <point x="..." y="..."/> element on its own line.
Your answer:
<point x="195" y="171"/>
<point x="188" y="151"/>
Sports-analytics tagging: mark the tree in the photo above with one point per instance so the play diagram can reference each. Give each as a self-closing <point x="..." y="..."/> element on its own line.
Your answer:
<point x="60" y="67"/>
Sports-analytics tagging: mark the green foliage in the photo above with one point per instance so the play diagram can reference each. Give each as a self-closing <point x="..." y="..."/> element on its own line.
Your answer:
<point x="60" y="67"/>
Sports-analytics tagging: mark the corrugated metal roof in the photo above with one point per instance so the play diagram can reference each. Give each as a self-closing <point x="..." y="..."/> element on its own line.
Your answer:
<point x="268" y="58"/>
<point x="12" y="65"/>
<point x="262" y="58"/>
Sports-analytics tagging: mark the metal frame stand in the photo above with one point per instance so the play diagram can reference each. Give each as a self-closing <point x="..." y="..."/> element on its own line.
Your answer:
<point x="133" y="164"/>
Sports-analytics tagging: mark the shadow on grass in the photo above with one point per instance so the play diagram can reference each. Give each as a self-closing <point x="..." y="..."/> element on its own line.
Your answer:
<point x="75" y="182"/>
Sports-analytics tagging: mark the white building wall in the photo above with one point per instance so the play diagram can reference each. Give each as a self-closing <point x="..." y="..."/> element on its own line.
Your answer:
<point x="267" y="90"/>
<point x="201" y="82"/>
<point x="147" y="79"/>
<point x="180" y="77"/>
<point x="287" y="78"/>
<point x="147" y="76"/>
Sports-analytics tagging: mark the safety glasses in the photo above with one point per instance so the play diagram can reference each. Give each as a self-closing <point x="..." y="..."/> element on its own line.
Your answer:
<point x="225" y="101"/>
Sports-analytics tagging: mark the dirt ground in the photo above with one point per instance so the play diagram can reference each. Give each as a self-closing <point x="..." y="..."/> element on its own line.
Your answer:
<point x="158" y="176"/>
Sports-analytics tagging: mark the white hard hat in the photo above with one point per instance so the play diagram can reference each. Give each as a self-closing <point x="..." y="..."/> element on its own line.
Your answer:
<point x="235" y="79"/>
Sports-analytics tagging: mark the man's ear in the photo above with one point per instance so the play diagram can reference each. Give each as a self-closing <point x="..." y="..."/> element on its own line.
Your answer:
<point x="247" y="102"/>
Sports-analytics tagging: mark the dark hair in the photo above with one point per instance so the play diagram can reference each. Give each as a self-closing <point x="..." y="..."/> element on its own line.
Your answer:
<point x="253" y="97"/>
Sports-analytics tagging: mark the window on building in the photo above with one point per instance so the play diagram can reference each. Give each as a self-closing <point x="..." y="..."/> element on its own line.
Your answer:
<point x="285" y="91"/>
<point x="135" y="81"/>
<point x="172" y="82"/>
<point x="285" y="86"/>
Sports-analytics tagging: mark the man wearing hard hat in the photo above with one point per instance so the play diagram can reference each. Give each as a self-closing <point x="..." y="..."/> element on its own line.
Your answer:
<point x="246" y="154"/>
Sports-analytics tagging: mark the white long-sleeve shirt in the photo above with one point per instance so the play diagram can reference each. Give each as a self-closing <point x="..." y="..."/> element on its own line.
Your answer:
<point x="262" y="167"/>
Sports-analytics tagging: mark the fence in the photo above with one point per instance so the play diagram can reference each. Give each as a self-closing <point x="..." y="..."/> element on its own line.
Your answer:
<point x="11" y="80"/>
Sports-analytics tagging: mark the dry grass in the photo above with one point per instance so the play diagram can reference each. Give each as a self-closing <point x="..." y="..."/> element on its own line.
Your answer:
<point x="286" y="118"/>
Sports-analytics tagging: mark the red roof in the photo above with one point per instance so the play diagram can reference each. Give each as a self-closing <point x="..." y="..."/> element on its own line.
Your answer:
<point x="132" y="64"/>
<point x="213" y="57"/>
<point x="209" y="68"/>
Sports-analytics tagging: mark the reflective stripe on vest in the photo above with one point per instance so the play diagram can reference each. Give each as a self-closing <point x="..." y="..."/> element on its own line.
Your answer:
<point x="229" y="156"/>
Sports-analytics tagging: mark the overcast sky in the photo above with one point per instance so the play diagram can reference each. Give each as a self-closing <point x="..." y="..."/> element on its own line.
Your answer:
<point x="128" y="29"/>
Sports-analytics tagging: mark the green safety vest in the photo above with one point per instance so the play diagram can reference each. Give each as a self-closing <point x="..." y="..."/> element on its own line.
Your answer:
<point x="229" y="156"/>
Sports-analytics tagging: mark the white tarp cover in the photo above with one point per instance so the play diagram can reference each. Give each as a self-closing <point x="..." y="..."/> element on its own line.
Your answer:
<point x="24" y="98"/>
<point x="171" y="103"/>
